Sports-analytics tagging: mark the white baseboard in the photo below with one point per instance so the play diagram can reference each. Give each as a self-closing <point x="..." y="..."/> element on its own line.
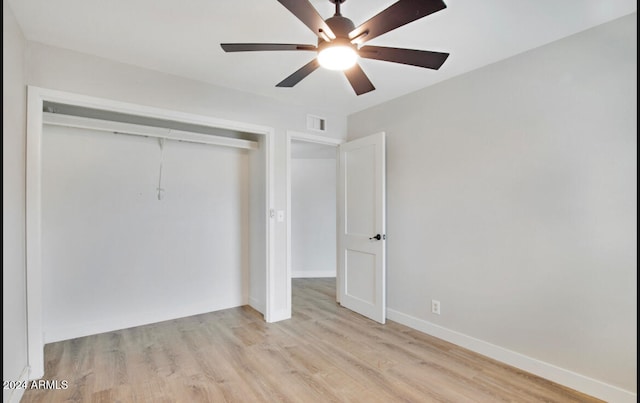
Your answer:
<point x="255" y="304"/>
<point x="59" y="333"/>
<point x="278" y="316"/>
<point x="15" y="395"/>
<point x="313" y="273"/>
<point x="545" y="370"/>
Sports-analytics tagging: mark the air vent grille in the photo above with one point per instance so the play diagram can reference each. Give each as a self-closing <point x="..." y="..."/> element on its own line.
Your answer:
<point x="316" y="123"/>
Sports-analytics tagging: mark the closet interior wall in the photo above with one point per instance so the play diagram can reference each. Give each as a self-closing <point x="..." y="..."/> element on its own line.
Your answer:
<point x="138" y="229"/>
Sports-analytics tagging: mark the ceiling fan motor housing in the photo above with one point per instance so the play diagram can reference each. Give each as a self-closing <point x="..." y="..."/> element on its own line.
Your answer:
<point x="341" y="26"/>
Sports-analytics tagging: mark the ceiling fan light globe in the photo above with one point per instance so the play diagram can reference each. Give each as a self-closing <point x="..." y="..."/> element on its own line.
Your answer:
<point x="338" y="57"/>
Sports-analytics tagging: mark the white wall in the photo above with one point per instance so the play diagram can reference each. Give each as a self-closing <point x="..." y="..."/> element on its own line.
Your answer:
<point x="14" y="311"/>
<point x="114" y="256"/>
<point x="313" y="215"/>
<point x="512" y="199"/>
<point x="66" y="70"/>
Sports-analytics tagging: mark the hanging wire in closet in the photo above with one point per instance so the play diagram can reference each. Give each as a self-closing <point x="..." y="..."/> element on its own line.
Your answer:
<point x="160" y="188"/>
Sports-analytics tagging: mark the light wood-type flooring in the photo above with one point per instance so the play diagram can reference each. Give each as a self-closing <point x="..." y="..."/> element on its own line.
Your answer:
<point x="325" y="353"/>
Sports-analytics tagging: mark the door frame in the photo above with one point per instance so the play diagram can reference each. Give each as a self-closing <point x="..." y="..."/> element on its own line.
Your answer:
<point x="36" y="96"/>
<point x="309" y="138"/>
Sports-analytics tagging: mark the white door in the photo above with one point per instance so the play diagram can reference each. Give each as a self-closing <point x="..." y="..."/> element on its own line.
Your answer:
<point x="361" y="226"/>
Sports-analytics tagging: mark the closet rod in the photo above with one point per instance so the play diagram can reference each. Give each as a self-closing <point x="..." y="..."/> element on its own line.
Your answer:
<point x="80" y="122"/>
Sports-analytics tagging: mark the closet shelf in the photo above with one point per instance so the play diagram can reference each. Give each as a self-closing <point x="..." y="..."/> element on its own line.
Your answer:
<point x="80" y="122"/>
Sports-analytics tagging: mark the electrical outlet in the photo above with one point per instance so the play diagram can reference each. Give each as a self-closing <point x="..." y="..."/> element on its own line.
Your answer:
<point x="435" y="306"/>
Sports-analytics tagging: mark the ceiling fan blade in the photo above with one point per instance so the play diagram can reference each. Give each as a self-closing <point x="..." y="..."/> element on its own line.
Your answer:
<point x="413" y="57"/>
<point x="397" y="15"/>
<point x="254" y="47"/>
<point x="310" y="17"/>
<point x="358" y="80"/>
<point x="301" y="73"/>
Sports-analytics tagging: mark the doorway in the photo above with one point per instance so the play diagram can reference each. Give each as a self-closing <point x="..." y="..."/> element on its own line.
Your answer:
<point x="311" y="207"/>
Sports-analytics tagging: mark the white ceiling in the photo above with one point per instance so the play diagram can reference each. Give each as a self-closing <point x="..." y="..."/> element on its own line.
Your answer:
<point x="183" y="37"/>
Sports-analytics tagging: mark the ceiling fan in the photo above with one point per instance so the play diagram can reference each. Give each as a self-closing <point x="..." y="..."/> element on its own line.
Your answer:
<point x="339" y="41"/>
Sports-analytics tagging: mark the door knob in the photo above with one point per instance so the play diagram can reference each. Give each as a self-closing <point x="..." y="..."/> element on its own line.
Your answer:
<point x="377" y="237"/>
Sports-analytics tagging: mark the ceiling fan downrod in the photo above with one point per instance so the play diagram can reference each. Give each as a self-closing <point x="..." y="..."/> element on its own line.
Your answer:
<point x="337" y="3"/>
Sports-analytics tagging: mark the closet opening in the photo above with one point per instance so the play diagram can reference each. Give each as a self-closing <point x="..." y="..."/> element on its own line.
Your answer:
<point x="137" y="215"/>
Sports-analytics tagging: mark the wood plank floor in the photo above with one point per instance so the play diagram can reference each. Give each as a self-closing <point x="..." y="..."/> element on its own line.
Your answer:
<point x="325" y="353"/>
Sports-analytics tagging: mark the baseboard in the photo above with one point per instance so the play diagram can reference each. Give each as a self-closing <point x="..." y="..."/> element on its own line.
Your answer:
<point x="277" y="316"/>
<point x="15" y="395"/>
<point x="255" y="304"/>
<point x="313" y="273"/>
<point x="59" y="333"/>
<point x="545" y="370"/>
